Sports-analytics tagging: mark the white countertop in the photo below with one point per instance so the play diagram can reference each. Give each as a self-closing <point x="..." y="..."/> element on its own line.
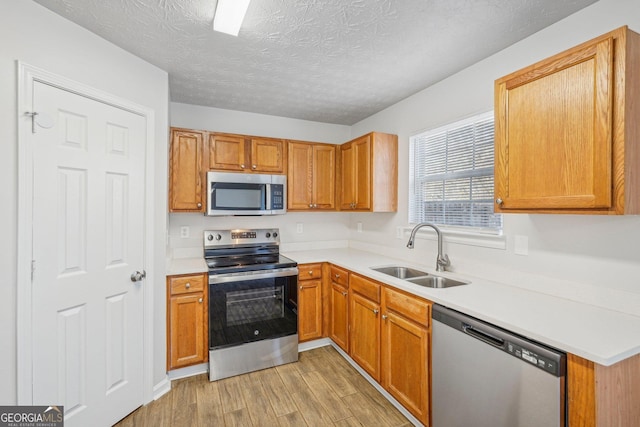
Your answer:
<point x="594" y="333"/>
<point x="193" y="265"/>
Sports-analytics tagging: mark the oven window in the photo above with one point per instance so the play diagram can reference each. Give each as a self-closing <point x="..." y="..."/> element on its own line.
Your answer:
<point x="238" y="196"/>
<point x="251" y="310"/>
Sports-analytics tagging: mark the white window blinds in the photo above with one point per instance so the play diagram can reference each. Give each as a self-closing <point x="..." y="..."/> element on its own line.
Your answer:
<point x="451" y="175"/>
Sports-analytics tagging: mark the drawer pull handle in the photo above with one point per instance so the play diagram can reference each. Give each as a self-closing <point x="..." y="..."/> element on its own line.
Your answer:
<point x="188" y="285"/>
<point x="200" y="300"/>
<point x="300" y="287"/>
<point x="310" y="272"/>
<point x="337" y="276"/>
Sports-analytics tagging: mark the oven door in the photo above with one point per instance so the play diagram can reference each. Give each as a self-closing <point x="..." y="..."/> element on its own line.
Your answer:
<point x="252" y="306"/>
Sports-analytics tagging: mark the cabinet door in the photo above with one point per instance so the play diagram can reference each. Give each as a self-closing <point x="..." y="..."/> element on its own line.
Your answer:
<point x="299" y="176"/>
<point x="364" y="333"/>
<point x="267" y="155"/>
<point x="405" y="364"/>
<point x="185" y="187"/>
<point x="187" y="330"/>
<point x="227" y="152"/>
<point x="324" y="177"/>
<point x="553" y="132"/>
<point x="309" y="310"/>
<point x="339" y="322"/>
<point x="347" y="177"/>
<point x="362" y="157"/>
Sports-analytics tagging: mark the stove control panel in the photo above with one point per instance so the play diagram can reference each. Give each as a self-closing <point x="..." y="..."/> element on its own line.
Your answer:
<point x="234" y="237"/>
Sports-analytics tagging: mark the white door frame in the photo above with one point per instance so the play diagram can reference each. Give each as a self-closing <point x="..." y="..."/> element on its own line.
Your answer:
<point x="27" y="75"/>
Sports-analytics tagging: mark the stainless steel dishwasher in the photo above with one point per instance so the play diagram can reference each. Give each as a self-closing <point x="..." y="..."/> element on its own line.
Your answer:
<point x="484" y="376"/>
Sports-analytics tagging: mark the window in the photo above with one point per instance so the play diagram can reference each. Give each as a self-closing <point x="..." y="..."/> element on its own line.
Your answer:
<point x="451" y="176"/>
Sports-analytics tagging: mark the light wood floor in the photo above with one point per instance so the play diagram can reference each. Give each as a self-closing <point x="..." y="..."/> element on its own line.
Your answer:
<point x="321" y="389"/>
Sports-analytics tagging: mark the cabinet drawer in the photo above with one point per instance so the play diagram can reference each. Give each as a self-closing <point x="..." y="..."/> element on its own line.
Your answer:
<point x="365" y="287"/>
<point x="340" y="276"/>
<point x="408" y="306"/>
<point x="309" y="271"/>
<point x="186" y="284"/>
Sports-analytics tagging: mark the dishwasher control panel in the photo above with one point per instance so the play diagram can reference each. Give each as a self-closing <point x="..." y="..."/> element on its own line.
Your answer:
<point x="532" y="357"/>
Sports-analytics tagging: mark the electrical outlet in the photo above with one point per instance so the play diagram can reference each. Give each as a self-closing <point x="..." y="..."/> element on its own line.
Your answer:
<point x="299" y="228"/>
<point x="184" y="232"/>
<point x="359" y="226"/>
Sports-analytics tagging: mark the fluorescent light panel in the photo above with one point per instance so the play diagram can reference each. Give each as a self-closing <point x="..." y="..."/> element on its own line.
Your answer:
<point x="229" y="16"/>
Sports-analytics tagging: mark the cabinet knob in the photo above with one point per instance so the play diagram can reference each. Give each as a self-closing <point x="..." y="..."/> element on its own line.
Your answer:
<point x="199" y="205"/>
<point x="188" y="285"/>
<point x="242" y="166"/>
<point x="499" y="201"/>
<point x="254" y="167"/>
<point x="315" y="205"/>
<point x="310" y="205"/>
<point x="376" y="311"/>
<point x="310" y="272"/>
<point x="200" y="300"/>
<point x="344" y="294"/>
<point x="337" y="275"/>
<point x="384" y="317"/>
<point x="300" y="287"/>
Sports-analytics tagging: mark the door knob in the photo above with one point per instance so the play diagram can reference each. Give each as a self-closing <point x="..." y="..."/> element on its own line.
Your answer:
<point x="137" y="276"/>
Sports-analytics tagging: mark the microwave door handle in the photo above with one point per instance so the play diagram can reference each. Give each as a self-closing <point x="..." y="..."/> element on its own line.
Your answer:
<point x="268" y="195"/>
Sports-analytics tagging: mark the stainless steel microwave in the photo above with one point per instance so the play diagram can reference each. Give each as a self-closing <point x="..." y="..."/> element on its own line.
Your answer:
<point x="246" y="194"/>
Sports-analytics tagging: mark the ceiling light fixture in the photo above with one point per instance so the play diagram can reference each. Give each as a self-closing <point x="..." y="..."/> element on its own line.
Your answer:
<point x="229" y="16"/>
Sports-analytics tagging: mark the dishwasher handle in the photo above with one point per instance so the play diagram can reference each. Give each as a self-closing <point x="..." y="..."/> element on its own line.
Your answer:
<point x="483" y="336"/>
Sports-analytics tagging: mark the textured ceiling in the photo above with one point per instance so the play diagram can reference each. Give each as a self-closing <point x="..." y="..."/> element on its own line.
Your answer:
<point x="334" y="61"/>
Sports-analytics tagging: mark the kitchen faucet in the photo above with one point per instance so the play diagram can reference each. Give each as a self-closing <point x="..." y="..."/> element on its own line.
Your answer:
<point x="443" y="259"/>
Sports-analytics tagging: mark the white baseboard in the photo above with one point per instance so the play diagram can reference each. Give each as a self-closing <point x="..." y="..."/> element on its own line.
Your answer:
<point x="310" y="345"/>
<point x="162" y="388"/>
<point x="189" y="371"/>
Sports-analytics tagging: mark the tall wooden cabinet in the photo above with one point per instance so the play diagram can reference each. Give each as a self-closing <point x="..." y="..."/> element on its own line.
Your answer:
<point x="187" y="320"/>
<point x="567" y="133"/>
<point x="309" y="302"/>
<point x="339" y="310"/>
<point x="311" y="176"/>
<point x="368" y="173"/>
<point x="186" y="172"/>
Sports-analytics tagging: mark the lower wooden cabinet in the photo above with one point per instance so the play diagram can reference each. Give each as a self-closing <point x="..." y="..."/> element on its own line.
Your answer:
<point x="309" y="302"/>
<point x="187" y="320"/>
<point x="339" y="310"/>
<point x="364" y="324"/>
<point x="405" y="351"/>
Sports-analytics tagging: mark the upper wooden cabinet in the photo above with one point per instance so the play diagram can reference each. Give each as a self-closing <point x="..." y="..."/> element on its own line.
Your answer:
<point x="368" y="173"/>
<point x="566" y="131"/>
<point x="311" y="176"/>
<point x="186" y="192"/>
<point x="246" y="153"/>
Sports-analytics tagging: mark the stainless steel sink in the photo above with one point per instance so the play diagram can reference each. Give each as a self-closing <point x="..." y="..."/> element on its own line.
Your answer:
<point x="418" y="277"/>
<point x="436" y="282"/>
<point x="400" y="272"/>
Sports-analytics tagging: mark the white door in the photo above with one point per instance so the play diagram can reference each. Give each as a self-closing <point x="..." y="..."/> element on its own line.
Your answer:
<point x="88" y="210"/>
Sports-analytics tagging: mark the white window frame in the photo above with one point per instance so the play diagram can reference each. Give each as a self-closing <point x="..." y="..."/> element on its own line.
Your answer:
<point x="482" y="236"/>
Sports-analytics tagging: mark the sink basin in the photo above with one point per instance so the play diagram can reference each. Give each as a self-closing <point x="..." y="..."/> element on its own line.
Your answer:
<point x="436" y="282"/>
<point x="401" y="272"/>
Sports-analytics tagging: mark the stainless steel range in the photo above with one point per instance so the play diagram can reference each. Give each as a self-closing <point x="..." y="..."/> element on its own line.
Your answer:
<point x="253" y="320"/>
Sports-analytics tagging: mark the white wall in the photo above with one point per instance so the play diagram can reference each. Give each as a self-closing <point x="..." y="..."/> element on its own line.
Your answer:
<point x="318" y="228"/>
<point x="36" y="36"/>
<point x="588" y="258"/>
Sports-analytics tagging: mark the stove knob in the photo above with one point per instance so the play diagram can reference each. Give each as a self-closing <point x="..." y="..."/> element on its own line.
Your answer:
<point x="275" y="234"/>
<point x="218" y="237"/>
<point x="210" y="237"/>
<point x="268" y="234"/>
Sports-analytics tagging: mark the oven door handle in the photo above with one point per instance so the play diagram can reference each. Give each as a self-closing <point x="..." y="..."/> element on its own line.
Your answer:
<point x="251" y="275"/>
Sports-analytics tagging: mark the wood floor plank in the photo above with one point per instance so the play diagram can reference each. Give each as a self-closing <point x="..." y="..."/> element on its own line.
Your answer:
<point x="239" y="418"/>
<point x="293" y="419"/>
<point x="231" y="394"/>
<point x="363" y="411"/>
<point x="210" y="411"/>
<point x="290" y="376"/>
<point x="258" y="403"/>
<point x="326" y="396"/>
<point x="340" y="375"/>
<point x="313" y="412"/>
<point x="349" y="422"/>
<point x="280" y="398"/>
<point x="184" y="403"/>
